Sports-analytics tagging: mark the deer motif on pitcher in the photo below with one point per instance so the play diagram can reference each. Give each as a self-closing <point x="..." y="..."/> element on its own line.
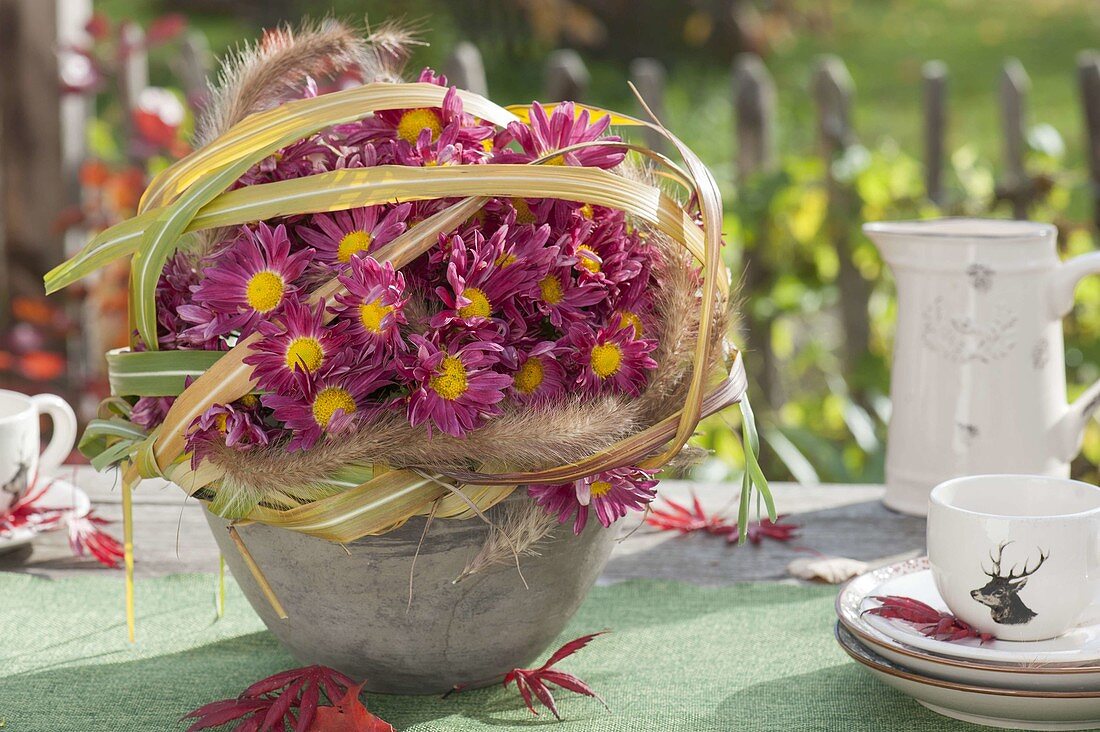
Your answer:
<point x="1001" y="593"/>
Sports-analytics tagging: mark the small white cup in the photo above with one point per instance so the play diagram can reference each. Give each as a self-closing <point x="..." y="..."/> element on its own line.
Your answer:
<point x="1017" y="556"/>
<point x="20" y="441"/>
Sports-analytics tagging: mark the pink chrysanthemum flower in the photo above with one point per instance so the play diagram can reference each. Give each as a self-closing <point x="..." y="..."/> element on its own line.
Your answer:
<point x="252" y="279"/>
<point x="610" y="359"/>
<point x="373" y="305"/>
<point x="174" y="292"/>
<point x="486" y="277"/>
<point x="606" y="254"/>
<point x="297" y="160"/>
<point x="237" y="425"/>
<point x="562" y="128"/>
<point x="539" y="373"/>
<point x="333" y="402"/>
<point x="341" y="235"/>
<point x="407" y="125"/>
<point x="610" y="493"/>
<point x="455" y="387"/>
<point x="634" y="308"/>
<point x="148" y="412"/>
<point x="563" y="300"/>
<point x="295" y="344"/>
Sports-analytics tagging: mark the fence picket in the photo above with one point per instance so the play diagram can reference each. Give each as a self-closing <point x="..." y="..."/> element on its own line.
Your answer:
<point x="465" y="69"/>
<point x="565" y="77"/>
<point x="935" y="128"/>
<point x="1016" y="185"/>
<point x="1088" y="78"/>
<point x="648" y="75"/>
<point x="754" y="102"/>
<point x="832" y="90"/>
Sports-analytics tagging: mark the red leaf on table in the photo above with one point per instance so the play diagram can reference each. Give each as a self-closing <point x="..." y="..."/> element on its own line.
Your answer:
<point x="286" y="698"/>
<point x="927" y="619"/>
<point x="768" y="529"/>
<point x="534" y="681"/>
<point x="687" y="520"/>
<point x="348" y="715"/>
<point x="87" y="537"/>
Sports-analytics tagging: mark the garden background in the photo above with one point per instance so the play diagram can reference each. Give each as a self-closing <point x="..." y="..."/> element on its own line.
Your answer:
<point x="1007" y="104"/>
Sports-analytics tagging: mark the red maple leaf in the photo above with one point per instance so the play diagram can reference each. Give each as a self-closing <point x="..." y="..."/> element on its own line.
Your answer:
<point x="534" y="681"/>
<point x="348" y="715"/>
<point x="86" y="535"/>
<point x="290" y="698"/>
<point x="687" y="520"/>
<point x="927" y="619"/>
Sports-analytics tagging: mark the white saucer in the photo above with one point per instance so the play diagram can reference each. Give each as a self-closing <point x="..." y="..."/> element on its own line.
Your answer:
<point x="61" y="494"/>
<point x="913" y="578"/>
<point x="1004" y="708"/>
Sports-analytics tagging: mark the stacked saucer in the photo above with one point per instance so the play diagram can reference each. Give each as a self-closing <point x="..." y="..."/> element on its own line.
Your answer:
<point x="1042" y="685"/>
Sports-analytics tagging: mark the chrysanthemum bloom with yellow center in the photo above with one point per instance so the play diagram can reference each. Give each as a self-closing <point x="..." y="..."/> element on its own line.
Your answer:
<point x="486" y="277"/>
<point x="373" y="305"/>
<point x="611" y="494"/>
<point x="456" y="387"/>
<point x="410" y="127"/>
<point x="237" y="426"/>
<point x="563" y="299"/>
<point x="563" y="127"/>
<point x="539" y="375"/>
<point x="297" y="344"/>
<point x="331" y="402"/>
<point x="252" y="279"/>
<point x="611" y="360"/>
<point x="339" y="236"/>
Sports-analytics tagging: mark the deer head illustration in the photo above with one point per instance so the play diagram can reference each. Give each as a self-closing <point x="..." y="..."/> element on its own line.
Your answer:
<point x="1000" y="593"/>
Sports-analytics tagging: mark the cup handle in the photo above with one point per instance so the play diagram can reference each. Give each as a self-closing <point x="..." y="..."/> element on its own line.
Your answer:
<point x="64" y="431"/>
<point x="1060" y="295"/>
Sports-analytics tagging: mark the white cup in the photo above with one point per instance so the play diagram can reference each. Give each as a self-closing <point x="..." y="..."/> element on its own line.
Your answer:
<point x="1017" y="556"/>
<point x="20" y="441"/>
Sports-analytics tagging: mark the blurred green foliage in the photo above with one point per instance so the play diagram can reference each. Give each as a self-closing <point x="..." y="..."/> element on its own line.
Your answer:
<point x="818" y="420"/>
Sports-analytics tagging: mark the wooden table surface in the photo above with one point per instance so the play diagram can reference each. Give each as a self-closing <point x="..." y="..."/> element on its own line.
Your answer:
<point x="171" y="536"/>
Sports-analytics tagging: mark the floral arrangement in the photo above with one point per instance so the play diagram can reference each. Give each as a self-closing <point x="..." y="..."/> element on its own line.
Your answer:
<point x="356" y="303"/>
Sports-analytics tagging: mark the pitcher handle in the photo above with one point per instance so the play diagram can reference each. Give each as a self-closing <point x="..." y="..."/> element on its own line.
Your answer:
<point x="1060" y="296"/>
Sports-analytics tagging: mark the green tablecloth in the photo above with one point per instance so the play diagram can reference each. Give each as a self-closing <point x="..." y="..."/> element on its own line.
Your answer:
<point x="746" y="657"/>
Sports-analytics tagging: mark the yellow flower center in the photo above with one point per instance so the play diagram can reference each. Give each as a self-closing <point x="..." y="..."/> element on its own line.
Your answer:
<point x="550" y="289"/>
<point x="304" y="352"/>
<point x="450" y="381"/>
<point x="505" y="259"/>
<point x="328" y="401"/>
<point x="487" y="144"/>
<point x="628" y="318"/>
<point x="415" y="120"/>
<point x="599" y="488"/>
<point x="556" y="160"/>
<point x="479" y="306"/>
<point x="220" y="422"/>
<point x="530" y="375"/>
<point x="250" y="401"/>
<point x="523" y="211"/>
<point x="588" y="258"/>
<point x="264" y="291"/>
<point x="606" y="359"/>
<point x="353" y="243"/>
<point x="372" y="314"/>
<point x="586" y="211"/>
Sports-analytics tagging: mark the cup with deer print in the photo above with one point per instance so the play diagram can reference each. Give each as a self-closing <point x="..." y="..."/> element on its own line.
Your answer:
<point x="1017" y="556"/>
<point x="20" y="460"/>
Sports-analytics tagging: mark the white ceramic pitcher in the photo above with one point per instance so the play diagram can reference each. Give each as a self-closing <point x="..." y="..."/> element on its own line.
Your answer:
<point x="978" y="378"/>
